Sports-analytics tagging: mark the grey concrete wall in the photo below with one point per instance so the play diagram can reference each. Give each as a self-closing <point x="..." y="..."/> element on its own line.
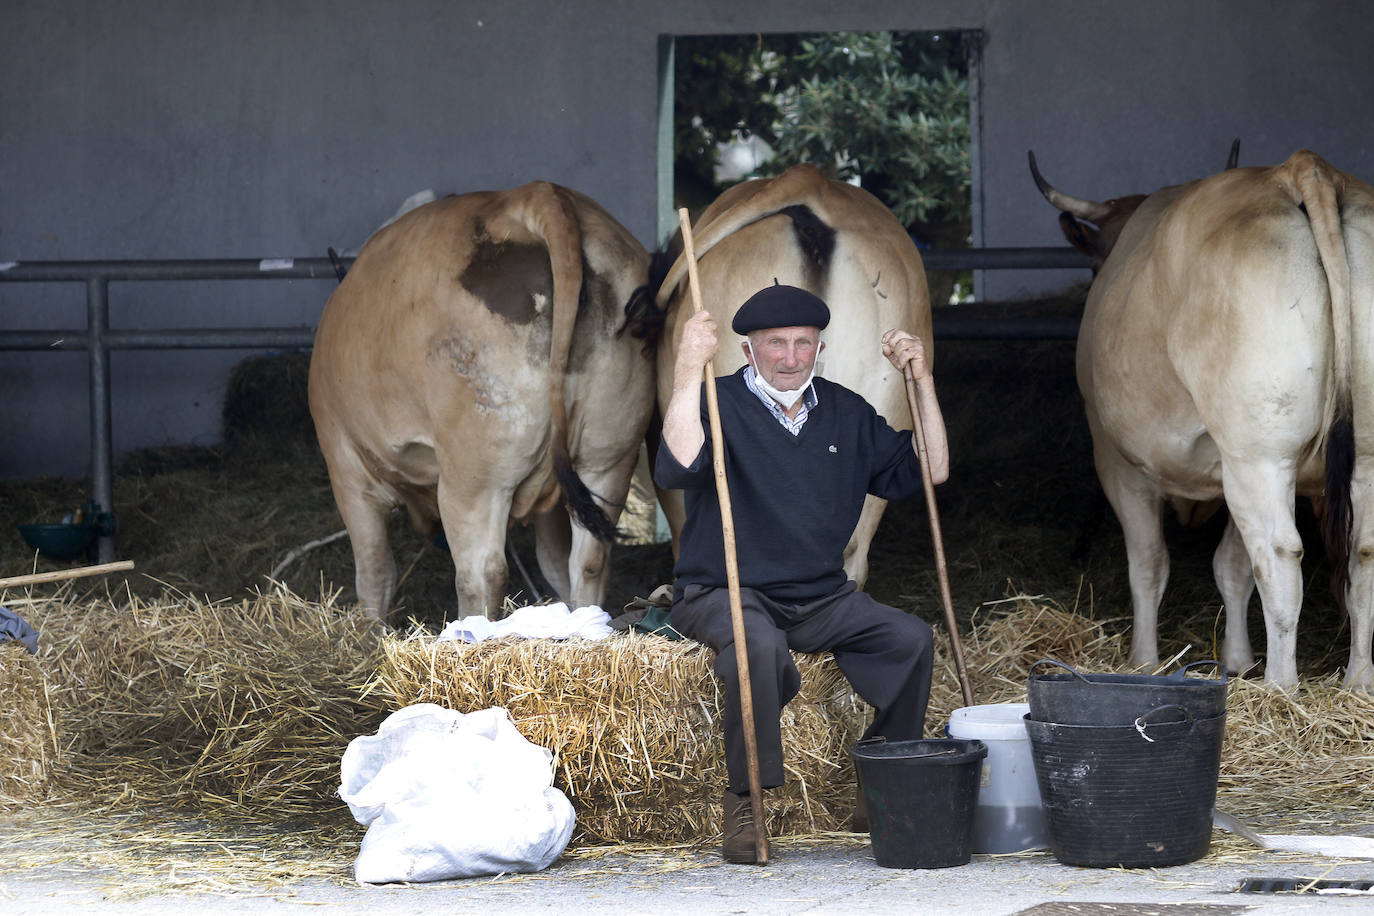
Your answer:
<point x="1124" y="98"/>
<point x="151" y="129"/>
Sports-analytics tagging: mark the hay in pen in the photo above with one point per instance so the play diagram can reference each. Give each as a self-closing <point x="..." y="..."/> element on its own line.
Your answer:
<point x="28" y="738"/>
<point x="232" y="707"/>
<point x="175" y="715"/>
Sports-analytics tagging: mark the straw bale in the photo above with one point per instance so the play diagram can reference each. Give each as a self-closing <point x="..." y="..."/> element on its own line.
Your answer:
<point x="234" y="705"/>
<point x="26" y="728"/>
<point x="632" y="721"/>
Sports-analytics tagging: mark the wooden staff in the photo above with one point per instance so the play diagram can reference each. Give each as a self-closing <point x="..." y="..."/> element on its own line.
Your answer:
<point x="59" y="575"/>
<point x="727" y="525"/>
<point x="941" y="570"/>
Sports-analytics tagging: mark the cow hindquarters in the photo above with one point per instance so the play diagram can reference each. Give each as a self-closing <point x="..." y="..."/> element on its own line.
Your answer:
<point x="856" y="551"/>
<point x="1260" y="496"/>
<point x="1139" y="507"/>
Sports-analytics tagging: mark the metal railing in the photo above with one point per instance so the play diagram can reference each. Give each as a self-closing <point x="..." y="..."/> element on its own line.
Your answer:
<point x="98" y="338"/>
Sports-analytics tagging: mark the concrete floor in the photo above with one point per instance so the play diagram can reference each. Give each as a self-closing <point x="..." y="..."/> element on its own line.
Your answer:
<point x="839" y="877"/>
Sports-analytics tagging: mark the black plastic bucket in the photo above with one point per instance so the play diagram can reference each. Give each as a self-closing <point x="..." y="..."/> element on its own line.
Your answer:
<point x="921" y="798"/>
<point x="1071" y="698"/>
<point x="1133" y="796"/>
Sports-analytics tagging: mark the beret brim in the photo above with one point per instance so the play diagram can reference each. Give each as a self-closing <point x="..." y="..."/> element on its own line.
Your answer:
<point x="780" y="307"/>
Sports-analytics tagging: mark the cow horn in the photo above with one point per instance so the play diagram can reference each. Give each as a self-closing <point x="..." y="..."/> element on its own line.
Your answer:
<point x="1234" y="158"/>
<point x="1089" y="210"/>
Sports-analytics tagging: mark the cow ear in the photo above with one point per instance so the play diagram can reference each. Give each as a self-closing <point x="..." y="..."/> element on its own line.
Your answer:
<point x="1081" y="236"/>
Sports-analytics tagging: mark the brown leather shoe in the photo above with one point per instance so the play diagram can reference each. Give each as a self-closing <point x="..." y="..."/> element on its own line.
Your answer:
<point x="740" y="833"/>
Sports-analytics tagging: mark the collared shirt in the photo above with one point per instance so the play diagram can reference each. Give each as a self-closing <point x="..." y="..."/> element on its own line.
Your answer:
<point x="792" y="424"/>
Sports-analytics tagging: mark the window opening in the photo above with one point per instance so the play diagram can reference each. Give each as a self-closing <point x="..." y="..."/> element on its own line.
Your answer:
<point x="894" y="112"/>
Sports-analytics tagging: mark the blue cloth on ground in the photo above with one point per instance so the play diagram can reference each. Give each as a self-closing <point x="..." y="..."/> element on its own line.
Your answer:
<point x="16" y="628"/>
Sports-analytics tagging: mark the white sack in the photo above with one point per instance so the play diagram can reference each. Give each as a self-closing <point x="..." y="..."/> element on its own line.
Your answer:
<point x="449" y="795"/>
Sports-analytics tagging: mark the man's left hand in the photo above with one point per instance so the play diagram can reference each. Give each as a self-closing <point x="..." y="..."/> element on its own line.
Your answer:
<point x="904" y="349"/>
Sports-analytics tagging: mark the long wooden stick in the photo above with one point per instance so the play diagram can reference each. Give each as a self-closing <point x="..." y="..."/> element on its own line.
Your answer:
<point x="60" y="574"/>
<point x="727" y="525"/>
<point x="941" y="570"/>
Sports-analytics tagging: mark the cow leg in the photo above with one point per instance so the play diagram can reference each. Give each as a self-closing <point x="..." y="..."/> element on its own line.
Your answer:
<point x="475" y="526"/>
<point x="1236" y="582"/>
<point x="552" y="546"/>
<point x="374" y="568"/>
<point x="1359" y="671"/>
<point x="856" y="551"/>
<point x="1260" y="497"/>
<point x="589" y="562"/>
<point x="1139" y="506"/>
<point x="589" y="559"/>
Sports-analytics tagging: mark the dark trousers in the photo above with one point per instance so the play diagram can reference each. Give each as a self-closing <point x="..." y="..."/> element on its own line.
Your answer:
<point x="885" y="653"/>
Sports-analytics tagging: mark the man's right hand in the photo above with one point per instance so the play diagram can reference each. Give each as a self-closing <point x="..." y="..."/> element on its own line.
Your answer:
<point x="695" y="348"/>
<point x="682" y="430"/>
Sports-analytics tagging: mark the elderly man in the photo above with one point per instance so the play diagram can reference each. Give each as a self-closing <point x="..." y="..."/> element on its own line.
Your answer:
<point x="800" y="454"/>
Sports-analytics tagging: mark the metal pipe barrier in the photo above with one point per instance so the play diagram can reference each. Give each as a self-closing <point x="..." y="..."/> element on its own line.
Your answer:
<point x="98" y="339"/>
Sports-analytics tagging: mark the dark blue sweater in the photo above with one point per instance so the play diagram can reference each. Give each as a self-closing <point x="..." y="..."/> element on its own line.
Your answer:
<point x="795" y="499"/>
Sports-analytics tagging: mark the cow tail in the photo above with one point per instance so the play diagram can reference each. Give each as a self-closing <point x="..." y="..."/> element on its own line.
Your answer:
<point x="645" y="318"/>
<point x="1319" y="188"/>
<point x="801" y="186"/>
<point x="553" y="217"/>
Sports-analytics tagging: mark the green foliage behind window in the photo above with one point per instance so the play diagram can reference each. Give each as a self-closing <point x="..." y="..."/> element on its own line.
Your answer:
<point x="889" y="109"/>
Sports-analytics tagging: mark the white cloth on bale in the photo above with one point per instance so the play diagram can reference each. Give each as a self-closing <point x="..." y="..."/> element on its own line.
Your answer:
<point x="535" y="621"/>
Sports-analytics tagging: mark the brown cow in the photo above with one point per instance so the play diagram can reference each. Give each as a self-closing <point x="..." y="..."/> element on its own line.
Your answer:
<point x="841" y="243"/>
<point x="470" y="368"/>
<point x="1226" y="352"/>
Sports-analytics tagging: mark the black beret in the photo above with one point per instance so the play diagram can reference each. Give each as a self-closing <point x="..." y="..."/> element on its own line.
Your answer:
<point x="780" y="306"/>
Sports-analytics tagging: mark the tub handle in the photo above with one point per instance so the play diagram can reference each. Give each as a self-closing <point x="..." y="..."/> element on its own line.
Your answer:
<point x="1181" y="673"/>
<point x="1030" y="674"/>
<point x="1143" y="722"/>
<point x="879" y="740"/>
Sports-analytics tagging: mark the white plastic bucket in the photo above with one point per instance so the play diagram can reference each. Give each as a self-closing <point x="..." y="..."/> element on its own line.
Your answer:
<point x="1009" y="816"/>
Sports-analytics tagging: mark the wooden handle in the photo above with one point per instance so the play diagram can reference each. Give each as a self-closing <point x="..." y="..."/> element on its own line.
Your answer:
<point x="941" y="569"/>
<point x="727" y="525"/>
<point x="60" y="574"/>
